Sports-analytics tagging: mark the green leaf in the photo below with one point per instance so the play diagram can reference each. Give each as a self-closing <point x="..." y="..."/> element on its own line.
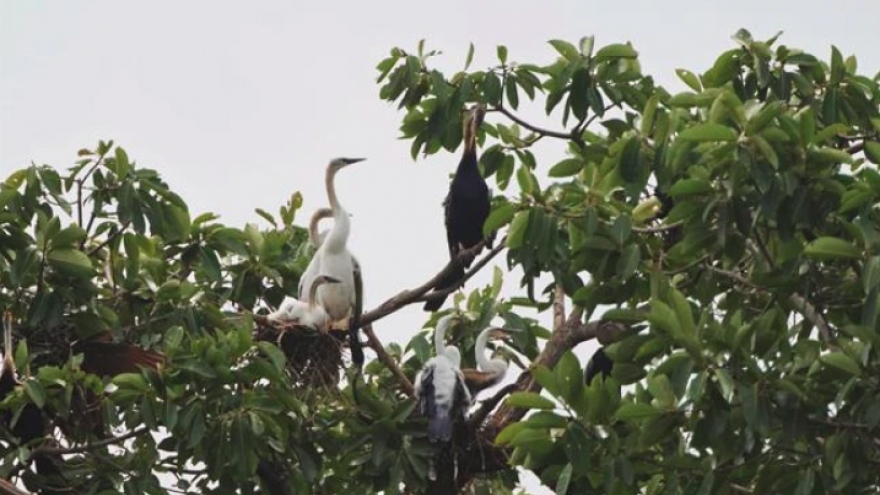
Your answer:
<point x="470" y="57"/>
<point x="690" y="187"/>
<point x="828" y="248"/>
<point x="529" y="400"/>
<point x="564" y="479"/>
<point x="631" y="411"/>
<point x="708" y="132"/>
<point x="517" y="232"/>
<point x="567" y="167"/>
<point x="36" y="392"/>
<point x="690" y="79"/>
<point x="566" y="49"/>
<point x="872" y="151"/>
<point x="71" y="262"/>
<point x="500" y="216"/>
<point x="616" y="51"/>
<point x="842" y="362"/>
<point x="502" y="54"/>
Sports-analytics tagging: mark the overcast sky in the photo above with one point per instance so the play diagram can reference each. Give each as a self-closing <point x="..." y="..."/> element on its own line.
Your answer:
<point x="239" y="104"/>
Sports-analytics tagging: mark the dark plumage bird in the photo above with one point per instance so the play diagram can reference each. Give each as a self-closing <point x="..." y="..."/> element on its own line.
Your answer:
<point x="466" y="205"/>
<point x="31" y="424"/>
<point x="599" y="364"/>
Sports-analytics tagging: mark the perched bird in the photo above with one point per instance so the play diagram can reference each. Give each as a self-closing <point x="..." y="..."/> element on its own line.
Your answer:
<point x="466" y="206"/>
<point x="342" y="301"/>
<point x="440" y="387"/>
<point x="489" y="371"/>
<point x="599" y="364"/>
<point x="304" y="313"/>
<point x="317" y="238"/>
<point x="31" y="424"/>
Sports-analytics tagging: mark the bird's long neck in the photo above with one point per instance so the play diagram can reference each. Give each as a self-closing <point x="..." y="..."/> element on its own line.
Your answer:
<point x="313" y="292"/>
<point x="468" y="164"/>
<point x="320" y="214"/>
<point x="440" y="338"/>
<point x="338" y="236"/>
<point x="483" y="361"/>
<point x="7" y="366"/>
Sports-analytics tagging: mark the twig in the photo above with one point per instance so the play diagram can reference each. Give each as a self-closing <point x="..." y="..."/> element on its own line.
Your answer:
<point x="420" y="293"/>
<point x="387" y="360"/>
<point x="7" y="488"/>
<point x="546" y="132"/>
<point x="800" y="303"/>
<point x="110" y="238"/>
<point x="89" y="446"/>
<point x="658" y="228"/>
<point x="479" y="416"/>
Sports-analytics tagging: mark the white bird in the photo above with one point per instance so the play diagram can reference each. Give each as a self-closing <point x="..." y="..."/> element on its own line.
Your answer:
<point x="341" y="301"/>
<point x="304" y="313"/>
<point x="440" y="387"/>
<point x="317" y="238"/>
<point x="489" y="372"/>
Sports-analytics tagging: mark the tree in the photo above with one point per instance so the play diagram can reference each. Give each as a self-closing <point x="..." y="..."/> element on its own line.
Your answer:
<point x="722" y="242"/>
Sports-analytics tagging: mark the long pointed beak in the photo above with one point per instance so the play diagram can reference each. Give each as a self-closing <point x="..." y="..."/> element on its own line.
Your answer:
<point x="349" y="161"/>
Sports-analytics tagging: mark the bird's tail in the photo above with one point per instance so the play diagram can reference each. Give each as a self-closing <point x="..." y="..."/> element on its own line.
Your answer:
<point x="354" y="344"/>
<point x="440" y="426"/>
<point x="446" y="282"/>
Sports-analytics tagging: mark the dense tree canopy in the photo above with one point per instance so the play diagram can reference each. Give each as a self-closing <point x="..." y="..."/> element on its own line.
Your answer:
<point x="721" y="242"/>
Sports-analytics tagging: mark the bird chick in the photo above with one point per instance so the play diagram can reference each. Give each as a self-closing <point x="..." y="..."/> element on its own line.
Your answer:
<point x="308" y="314"/>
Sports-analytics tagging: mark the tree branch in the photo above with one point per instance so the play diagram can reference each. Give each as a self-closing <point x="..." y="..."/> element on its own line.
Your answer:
<point x="573" y="332"/>
<point x="544" y="132"/>
<point x="558" y="306"/>
<point x="421" y="293"/>
<point x="387" y="360"/>
<point x="89" y="446"/>
<point x="7" y="488"/>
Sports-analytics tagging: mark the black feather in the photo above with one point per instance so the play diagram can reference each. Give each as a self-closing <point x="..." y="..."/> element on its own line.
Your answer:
<point x="466" y="209"/>
<point x="599" y="364"/>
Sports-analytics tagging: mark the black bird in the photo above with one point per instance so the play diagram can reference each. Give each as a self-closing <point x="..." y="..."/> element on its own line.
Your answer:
<point x="466" y="205"/>
<point x="599" y="364"/>
<point x="31" y="424"/>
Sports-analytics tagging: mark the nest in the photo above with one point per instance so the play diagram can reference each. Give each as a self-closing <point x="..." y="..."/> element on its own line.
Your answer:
<point x="314" y="359"/>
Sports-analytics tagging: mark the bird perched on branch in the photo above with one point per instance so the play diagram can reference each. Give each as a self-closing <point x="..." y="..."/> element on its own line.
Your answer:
<point x="31" y="424"/>
<point x="343" y="301"/>
<point x="599" y="364"/>
<point x="489" y="372"/>
<point x="466" y="206"/>
<point x="440" y="387"/>
<point x="304" y="313"/>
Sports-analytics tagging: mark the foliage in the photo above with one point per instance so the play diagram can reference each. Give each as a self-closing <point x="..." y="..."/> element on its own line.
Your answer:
<point x="731" y="226"/>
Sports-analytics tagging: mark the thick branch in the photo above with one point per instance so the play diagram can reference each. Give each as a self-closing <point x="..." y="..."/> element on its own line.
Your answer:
<point x="421" y="293"/>
<point x="573" y="332"/>
<point x="558" y="306"/>
<point x="387" y="360"/>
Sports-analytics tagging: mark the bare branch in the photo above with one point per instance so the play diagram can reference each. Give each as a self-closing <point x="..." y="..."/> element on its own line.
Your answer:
<point x="387" y="360"/>
<point x="658" y="228"/>
<point x="421" y="293"/>
<point x="800" y="303"/>
<point x="89" y="446"/>
<point x="558" y="306"/>
<point x="573" y="332"/>
<point x="7" y="488"/>
<point x="544" y="132"/>
<point x="480" y="415"/>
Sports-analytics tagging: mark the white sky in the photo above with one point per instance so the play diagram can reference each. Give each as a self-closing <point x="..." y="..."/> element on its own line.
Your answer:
<point x="240" y="104"/>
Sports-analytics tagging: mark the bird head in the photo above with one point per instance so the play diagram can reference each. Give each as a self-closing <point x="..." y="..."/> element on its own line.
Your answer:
<point x="499" y="333"/>
<point x="340" y="163"/>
